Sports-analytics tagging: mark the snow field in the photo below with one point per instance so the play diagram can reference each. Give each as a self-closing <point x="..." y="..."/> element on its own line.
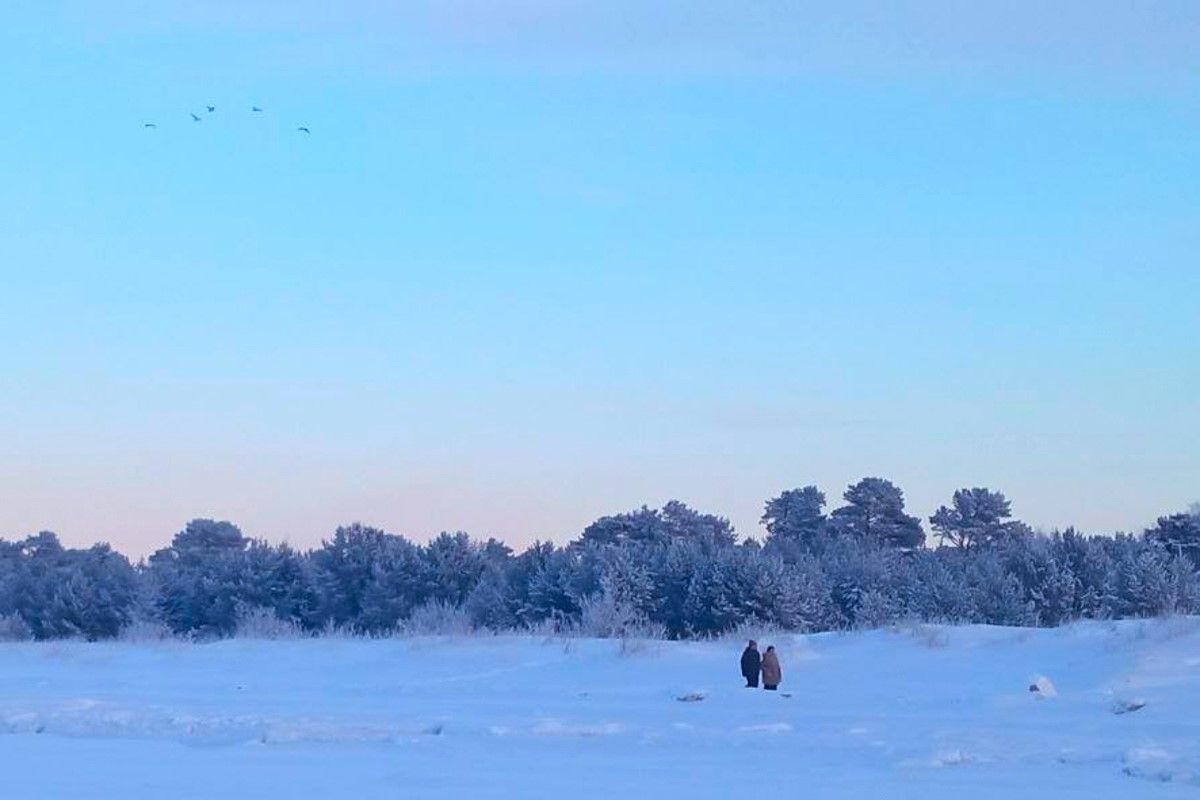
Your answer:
<point x="926" y="712"/>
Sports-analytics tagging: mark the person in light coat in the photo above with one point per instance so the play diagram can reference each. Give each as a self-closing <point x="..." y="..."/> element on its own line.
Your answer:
<point x="772" y="674"/>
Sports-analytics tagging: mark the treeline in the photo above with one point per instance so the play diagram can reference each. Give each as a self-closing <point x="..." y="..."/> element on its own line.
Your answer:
<point x="671" y="572"/>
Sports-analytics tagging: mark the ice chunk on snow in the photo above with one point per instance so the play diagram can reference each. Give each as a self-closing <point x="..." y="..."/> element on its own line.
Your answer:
<point x="766" y="727"/>
<point x="1127" y="706"/>
<point x="1043" y="687"/>
<point x="950" y="758"/>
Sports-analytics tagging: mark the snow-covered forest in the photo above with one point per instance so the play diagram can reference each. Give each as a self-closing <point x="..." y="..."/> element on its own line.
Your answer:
<point x="671" y="572"/>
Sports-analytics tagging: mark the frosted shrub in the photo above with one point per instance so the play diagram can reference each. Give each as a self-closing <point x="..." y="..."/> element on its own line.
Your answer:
<point x="14" y="629"/>
<point x="643" y="642"/>
<point x="331" y="630"/>
<point x="875" y="609"/>
<point x="553" y="630"/>
<point x="145" y="629"/>
<point x="604" y="617"/>
<point x="257" y="622"/>
<point x="438" y="618"/>
<point x="928" y="636"/>
<point x="752" y="628"/>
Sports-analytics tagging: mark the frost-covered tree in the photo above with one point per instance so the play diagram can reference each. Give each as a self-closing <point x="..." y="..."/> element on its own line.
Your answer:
<point x="1179" y="533"/>
<point x="490" y="604"/>
<point x="283" y="581"/>
<point x="455" y="564"/>
<point x="197" y="577"/>
<point x="674" y="521"/>
<point x="710" y="530"/>
<point x="400" y="582"/>
<point x="1143" y="585"/>
<point x="976" y="517"/>
<point x="369" y="579"/>
<point x="874" y="512"/>
<point x="858" y="569"/>
<point x="56" y="592"/>
<point x="1152" y="581"/>
<point x="997" y="596"/>
<point x="554" y="589"/>
<point x="1090" y="567"/>
<point x="627" y="578"/>
<point x="1047" y="586"/>
<point x="932" y="587"/>
<point x="795" y="521"/>
<point x="735" y="586"/>
<point x="673" y="566"/>
<point x="672" y="569"/>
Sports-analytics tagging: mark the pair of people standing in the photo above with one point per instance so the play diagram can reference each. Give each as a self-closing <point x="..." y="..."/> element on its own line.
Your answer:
<point x="766" y="664"/>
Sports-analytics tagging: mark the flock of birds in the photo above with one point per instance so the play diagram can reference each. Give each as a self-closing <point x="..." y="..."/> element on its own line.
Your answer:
<point x="210" y="109"/>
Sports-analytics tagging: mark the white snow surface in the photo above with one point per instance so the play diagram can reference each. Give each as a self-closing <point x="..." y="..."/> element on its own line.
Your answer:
<point x="926" y="713"/>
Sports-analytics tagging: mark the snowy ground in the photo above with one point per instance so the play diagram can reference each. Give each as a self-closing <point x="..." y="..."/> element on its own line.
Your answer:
<point x="928" y="713"/>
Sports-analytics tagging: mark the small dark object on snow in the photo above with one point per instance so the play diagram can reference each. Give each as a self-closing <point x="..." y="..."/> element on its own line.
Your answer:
<point x="691" y="697"/>
<point x="1128" y="706"/>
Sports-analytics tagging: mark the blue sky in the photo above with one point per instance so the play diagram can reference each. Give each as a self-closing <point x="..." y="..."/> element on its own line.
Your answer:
<point x="539" y="262"/>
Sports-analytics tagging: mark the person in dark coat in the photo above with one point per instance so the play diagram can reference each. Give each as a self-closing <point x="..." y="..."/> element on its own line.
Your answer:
<point x="751" y="663"/>
<point x="772" y="674"/>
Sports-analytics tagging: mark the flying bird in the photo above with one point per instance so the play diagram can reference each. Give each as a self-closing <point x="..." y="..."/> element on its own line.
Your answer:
<point x="149" y="125"/>
<point x="255" y="108"/>
<point x="303" y="129"/>
<point x="211" y="108"/>
<point x="195" y="118"/>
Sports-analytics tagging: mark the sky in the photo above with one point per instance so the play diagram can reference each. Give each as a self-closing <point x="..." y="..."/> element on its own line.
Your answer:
<point x="539" y="262"/>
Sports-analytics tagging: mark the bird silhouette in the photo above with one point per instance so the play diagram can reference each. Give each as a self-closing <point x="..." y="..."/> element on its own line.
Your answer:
<point x="303" y="129"/>
<point x="195" y="118"/>
<point x="211" y="108"/>
<point x="255" y="108"/>
<point x="149" y="125"/>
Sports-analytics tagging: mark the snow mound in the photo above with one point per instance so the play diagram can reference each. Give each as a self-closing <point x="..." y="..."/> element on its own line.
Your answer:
<point x="1157" y="764"/>
<point x="766" y="727"/>
<point x="553" y="727"/>
<point x="1043" y="687"/>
